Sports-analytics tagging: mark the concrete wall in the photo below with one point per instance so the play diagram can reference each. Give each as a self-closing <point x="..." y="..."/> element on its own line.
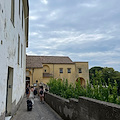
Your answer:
<point x="83" y="108"/>
<point x="9" y="54"/>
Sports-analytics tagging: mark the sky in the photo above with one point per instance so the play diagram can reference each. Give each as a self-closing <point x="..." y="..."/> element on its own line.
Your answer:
<point x="84" y="30"/>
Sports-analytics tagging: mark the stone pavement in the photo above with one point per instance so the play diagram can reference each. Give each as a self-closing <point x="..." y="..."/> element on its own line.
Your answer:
<point x="39" y="112"/>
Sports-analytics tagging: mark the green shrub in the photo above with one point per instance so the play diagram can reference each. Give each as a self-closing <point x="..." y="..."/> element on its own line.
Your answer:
<point x="98" y="90"/>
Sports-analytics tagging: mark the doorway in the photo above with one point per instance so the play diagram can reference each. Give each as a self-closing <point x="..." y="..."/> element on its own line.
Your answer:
<point x="27" y="81"/>
<point x="9" y="91"/>
<point x="82" y="81"/>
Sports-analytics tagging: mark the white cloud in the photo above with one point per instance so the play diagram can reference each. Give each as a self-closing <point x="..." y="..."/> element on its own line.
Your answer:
<point x="41" y="25"/>
<point x="44" y="2"/>
<point x="33" y="17"/>
<point x="77" y="37"/>
<point x="53" y="15"/>
<point x="33" y="33"/>
<point x="77" y="29"/>
<point x="112" y="62"/>
<point x="44" y="53"/>
<point x="117" y="48"/>
<point x="89" y="5"/>
<point x="101" y="55"/>
<point x="40" y="36"/>
<point x="30" y="52"/>
<point x="45" y="47"/>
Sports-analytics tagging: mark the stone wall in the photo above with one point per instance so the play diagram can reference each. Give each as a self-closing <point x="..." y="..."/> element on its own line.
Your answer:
<point x="83" y="108"/>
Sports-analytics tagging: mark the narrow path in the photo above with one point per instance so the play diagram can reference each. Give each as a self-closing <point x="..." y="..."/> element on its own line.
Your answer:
<point x="39" y="112"/>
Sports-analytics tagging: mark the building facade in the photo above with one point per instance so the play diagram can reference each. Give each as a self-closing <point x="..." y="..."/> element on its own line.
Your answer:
<point x="39" y="69"/>
<point x="13" y="43"/>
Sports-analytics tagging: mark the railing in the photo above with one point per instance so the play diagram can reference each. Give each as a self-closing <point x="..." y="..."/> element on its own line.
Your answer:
<point x="47" y="75"/>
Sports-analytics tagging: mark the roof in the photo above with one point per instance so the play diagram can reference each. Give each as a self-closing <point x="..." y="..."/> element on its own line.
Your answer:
<point x="80" y="62"/>
<point x="37" y="61"/>
<point x="33" y="62"/>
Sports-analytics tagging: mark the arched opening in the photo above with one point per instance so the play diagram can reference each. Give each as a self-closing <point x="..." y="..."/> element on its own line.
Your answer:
<point x="46" y="69"/>
<point x="82" y="81"/>
<point x="59" y="79"/>
<point x="46" y="72"/>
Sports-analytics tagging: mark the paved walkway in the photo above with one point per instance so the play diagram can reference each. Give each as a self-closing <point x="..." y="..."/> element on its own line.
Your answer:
<point x="39" y="112"/>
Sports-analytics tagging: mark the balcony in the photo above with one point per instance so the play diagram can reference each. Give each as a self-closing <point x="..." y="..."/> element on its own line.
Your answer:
<point x="47" y="75"/>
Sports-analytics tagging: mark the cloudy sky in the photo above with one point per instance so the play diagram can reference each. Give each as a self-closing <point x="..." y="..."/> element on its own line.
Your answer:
<point x="84" y="30"/>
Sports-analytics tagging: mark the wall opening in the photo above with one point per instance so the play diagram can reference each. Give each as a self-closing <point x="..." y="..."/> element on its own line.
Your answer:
<point x="27" y="81"/>
<point x="9" y="91"/>
<point x="82" y="81"/>
<point x="46" y="69"/>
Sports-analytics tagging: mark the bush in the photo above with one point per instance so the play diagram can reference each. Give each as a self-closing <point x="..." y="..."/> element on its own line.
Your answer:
<point x="97" y="90"/>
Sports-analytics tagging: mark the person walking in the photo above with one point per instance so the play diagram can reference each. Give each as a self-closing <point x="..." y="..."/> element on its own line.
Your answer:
<point x="41" y="93"/>
<point x="31" y="95"/>
<point x="27" y="91"/>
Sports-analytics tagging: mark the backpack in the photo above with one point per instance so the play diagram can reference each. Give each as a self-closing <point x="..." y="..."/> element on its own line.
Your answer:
<point x="35" y="92"/>
<point x="29" y="105"/>
<point x="41" y="92"/>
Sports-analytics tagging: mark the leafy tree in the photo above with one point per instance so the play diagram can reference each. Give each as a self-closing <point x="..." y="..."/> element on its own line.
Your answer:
<point x="108" y="73"/>
<point x="103" y="74"/>
<point x="93" y="73"/>
<point x="93" y="69"/>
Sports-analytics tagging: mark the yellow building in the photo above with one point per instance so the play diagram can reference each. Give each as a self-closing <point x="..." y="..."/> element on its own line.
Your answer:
<point x="42" y="68"/>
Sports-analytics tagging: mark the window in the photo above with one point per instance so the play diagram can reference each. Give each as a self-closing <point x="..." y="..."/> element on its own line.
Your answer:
<point x="19" y="7"/>
<point x="45" y="70"/>
<point x="18" y="49"/>
<point x="22" y="17"/>
<point x="21" y="54"/>
<point x="61" y="70"/>
<point x="12" y="11"/>
<point x="69" y="70"/>
<point x="79" y="70"/>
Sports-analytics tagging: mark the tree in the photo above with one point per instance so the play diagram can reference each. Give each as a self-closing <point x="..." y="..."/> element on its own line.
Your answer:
<point x="108" y="73"/>
<point x="103" y="74"/>
<point x="93" y="73"/>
